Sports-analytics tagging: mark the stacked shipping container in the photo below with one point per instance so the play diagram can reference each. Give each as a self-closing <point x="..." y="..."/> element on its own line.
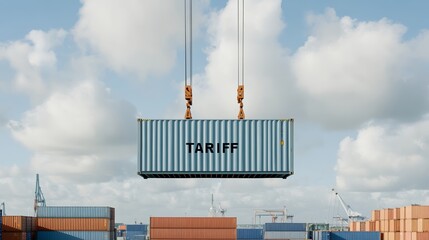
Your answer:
<point x="324" y="235"/>
<point x="193" y="228"/>
<point x="135" y="232"/>
<point x="250" y="234"/>
<point x="404" y="223"/>
<point x="18" y="228"/>
<point x="291" y="231"/>
<point x="85" y="223"/>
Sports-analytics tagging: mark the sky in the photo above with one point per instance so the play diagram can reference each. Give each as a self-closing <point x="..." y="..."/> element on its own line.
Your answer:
<point x="75" y="76"/>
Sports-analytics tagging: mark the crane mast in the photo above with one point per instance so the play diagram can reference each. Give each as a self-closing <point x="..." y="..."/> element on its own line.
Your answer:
<point x="39" y="199"/>
<point x="3" y="208"/>
<point x="352" y="215"/>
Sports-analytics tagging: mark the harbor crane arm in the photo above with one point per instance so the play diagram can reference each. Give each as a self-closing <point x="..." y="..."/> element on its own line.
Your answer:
<point x="3" y="208"/>
<point x="39" y="199"/>
<point x="349" y="211"/>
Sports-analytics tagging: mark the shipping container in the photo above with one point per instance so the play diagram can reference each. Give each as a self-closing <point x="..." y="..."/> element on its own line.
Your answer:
<point x="75" y="224"/>
<point x="76" y="212"/>
<point x="193" y="222"/>
<point x="355" y="236"/>
<point x="1" y="223"/>
<point x="250" y="234"/>
<point x="137" y="228"/>
<point x="285" y="235"/>
<point x="416" y="211"/>
<point x="18" y="224"/>
<point x="294" y="227"/>
<point x="14" y="236"/>
<point x="215" y="148"/>
<point x="135" y="235"/>
<point x="74" y="235"/>
<point x="193" y="233"/>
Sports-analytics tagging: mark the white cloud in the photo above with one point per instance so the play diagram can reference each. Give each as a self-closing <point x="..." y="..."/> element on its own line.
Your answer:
<point x="351" y="71"/>
<point x="31" y="58"/>
<point x="385" y="158"/>
<point x="134" y="36"/>
<point x="82" y="133"/>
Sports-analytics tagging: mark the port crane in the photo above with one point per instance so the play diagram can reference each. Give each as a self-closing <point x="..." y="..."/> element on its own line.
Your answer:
<point x="39" y="199"/>
<point x="274" y="214"/>
<point x="351" y="214"/>
<point x="3" y="208"/>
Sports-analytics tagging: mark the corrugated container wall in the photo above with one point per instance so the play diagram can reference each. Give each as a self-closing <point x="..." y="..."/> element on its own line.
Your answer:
<point x="250" y="234"/>
<point x="355" y="236"/>
<point x="76" y="212"/>
<point x="74" y="235"/>
<point x="215" y="148"/>
<point x="294" y="227"/>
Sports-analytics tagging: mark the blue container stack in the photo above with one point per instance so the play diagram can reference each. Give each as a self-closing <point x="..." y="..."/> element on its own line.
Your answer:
<point x="296" y="231"/>
<point x="76" y="213"/>
<point x="136" y="231"/>
<point x="324" y="235"/>
<point x="249" y="234"/>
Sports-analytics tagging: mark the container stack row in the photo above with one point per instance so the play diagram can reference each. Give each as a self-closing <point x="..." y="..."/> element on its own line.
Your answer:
<point x="162" y="228"/>
<point x="404" y="223"/>
<point x="18" y="228"/>
<point x="281" y="231"/>
<point x="86" y="223"/>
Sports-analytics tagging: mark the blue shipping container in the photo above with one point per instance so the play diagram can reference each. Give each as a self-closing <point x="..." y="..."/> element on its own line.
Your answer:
<point x="292" y="227"/>
<point x="321" y="235"/>
<point x="74" y="235"/>
<point x="132" y="235"/>
<point x="137" y="228"/>
<point x="355" y="236"/>
<point x="215" y="148"/>
<point x="76" y="212"/>
<point x="249" y="234"/>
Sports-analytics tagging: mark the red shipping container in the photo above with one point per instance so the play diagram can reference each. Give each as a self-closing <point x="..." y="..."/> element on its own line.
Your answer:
<point x="14" y="235"/>
<point x="193" y="233"/>
<point x="74" y="224"/>
<point x="18" y="224"/>
<point x="194" y="222"/>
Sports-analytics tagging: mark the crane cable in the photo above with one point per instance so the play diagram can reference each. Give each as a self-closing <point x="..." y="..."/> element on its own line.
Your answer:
<point x="188" y="66"/>
<point x="240" y="88"/>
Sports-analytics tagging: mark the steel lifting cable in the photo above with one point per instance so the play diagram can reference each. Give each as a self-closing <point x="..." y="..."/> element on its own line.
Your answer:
<point x="240" y="88"/>
<point x="188" y="87"/>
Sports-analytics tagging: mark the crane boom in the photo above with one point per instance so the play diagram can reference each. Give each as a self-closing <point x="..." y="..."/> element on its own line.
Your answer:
<point x="39" y="199"/>
<point x="352" y="215"/>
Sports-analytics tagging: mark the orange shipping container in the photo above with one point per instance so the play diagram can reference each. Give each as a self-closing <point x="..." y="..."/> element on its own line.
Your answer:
<point x="14" y="236"/>
<point x="405" y="236"/>
<point x="375" y="215"/>
<point x="194" y="222"/>
<point x="419" y="236"/>
<point x="377" y="226"/>
<point x="394" y="226"/>
<point x="402" y="213"/>
<point x="411" y="225"/>
<point x="74" y="224"/>
<point x="390" y="214"/>
<point x="193" y="233"/>
<point x="423" y="225"/>
<point x="414" y="212"/>
<point x="402" y="225"/>
<point x="18" y="224"/>
<point x="396" y="213"/>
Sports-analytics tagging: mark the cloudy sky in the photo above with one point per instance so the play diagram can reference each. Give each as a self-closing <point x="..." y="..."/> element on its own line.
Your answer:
<point x="75" y="75"/>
